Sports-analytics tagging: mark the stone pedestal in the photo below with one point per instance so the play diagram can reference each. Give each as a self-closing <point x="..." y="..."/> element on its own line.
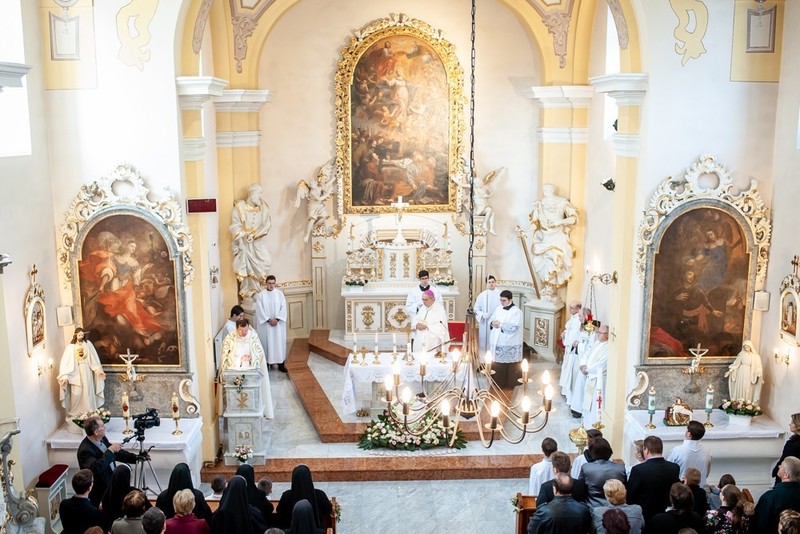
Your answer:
<point x="244" y="414"/>
<point x="544" y="319"/>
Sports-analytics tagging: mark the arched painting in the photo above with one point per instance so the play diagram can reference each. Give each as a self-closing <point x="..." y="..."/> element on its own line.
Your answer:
<point x="701" y="277"/>
<point x="127" y="291"/>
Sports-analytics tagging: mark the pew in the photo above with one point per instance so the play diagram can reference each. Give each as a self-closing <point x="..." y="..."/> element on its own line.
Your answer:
<point x="526" y="507"/>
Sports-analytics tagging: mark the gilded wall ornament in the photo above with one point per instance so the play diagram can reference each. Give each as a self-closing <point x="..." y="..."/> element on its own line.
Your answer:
<point x="244" y="19"/>
<point x="368" y="316"/>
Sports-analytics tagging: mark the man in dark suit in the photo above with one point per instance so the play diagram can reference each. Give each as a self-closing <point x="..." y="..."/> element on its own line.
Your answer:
<point x="78" y="513"/>
<point x="98" y="455"/>
<point x="563" y="514"/>
<point x="783" y="496"/>
<point x="561" y="464"/>
<point x="651" y="480"/>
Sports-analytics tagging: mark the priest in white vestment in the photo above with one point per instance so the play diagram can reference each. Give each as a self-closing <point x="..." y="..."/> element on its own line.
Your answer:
<point x="586" y="341"/>
<point x="271" y="322"/>
<point x="505" y="341"/>
<point x="241" y="349"/>
<point x="429" y="324"/>
<point x="485" y="304"/>
<point x="569" y="337"/>
<point x="595" y="370"/>
<point x="414" y="298"/>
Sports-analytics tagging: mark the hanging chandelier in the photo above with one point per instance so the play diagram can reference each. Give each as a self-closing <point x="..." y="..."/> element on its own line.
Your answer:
<point x="469" y="391"/>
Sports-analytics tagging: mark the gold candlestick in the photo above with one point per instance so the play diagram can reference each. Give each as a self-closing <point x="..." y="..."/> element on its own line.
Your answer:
<point x="176" y="415"/>
<point x="708" y="423"/>
<point x="650" y="424"/>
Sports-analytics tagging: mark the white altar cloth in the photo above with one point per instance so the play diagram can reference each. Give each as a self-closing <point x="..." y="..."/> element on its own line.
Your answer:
<point x="748" y="453"/>
<point x="168" y="450"/>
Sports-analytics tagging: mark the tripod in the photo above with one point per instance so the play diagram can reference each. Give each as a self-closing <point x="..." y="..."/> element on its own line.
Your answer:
<point x="142" y="459"/>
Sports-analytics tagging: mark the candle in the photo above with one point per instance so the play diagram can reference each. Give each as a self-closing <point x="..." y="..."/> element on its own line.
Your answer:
<point x="126" y="408"/>
<point x="400" y="200"/>
<point x="651" y="400"/>
<point x="487" y="361"/>
<point x="387" y="382"/>
<point x="546" y="377"/>
<point x="176" y="411"/>
<point x="423" y="360"/>
<point x="524" y="371"/>
<point x="396" y="373"/>
<point x="456" y="359"/>
<point x="446" y="413"/>
<point x="526" y="410"/>
<point x="394" y="340"/>
<point x="405" y="397"/>
<point x="355" y="339"/>
<point x="495" y="411"/>
<point x="709" y="398"/>
<point x="408" y="348"/>
<point x="376" y="338"/>
<point x="548" y="397"/>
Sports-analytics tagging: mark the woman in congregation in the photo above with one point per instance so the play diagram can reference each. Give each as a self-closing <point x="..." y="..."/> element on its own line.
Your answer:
<point x="680" y="515"/>
<point x="792" y="446"/>
<point x="111" y="506"/>
<point x="234" y="513"/>
<point x="185" y="522"/>
<point x="256" y="497"/>
<point x="302" y="488"/>
<point x="303" y="520"/>
<point x="180" y="479"/>
<point x="729" y="518"/>
<point x="616" y="522"/>
<point x="616" y="494"/>
<point x="596" y="473"/>
<point x="133" y="507"/>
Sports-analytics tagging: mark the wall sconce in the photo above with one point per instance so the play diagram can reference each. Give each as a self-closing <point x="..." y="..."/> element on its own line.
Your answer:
<point x="778" y="356"/>
<point x="608" y="183"/>
<point x="606" y="278"/>
<point x="42" y="368"/>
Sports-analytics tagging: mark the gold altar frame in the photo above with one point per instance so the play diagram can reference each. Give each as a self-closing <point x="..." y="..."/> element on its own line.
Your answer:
<point x="382" y="31"/>
<point x="705" y="191"/>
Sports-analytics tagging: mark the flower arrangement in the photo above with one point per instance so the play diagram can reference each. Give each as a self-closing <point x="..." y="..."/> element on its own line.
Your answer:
<point x="79" y="419"/>
<point x="741" y="407"/>
<point x="385" y="433"/>
<point x="243" y="453"/>
<point x="444" y="280"/>
<point x="355" y="280"/>
<point x="239" y="382"/>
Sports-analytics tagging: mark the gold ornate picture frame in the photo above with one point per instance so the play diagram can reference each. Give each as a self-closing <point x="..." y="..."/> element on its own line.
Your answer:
<point x="35" y="318"/>
<point x="399" y="119"/>
<point x="789" y="317"/>
<point x="701" y="255"/>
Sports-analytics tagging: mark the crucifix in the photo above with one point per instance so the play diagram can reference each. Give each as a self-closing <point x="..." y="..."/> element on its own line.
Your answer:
<point x="795" y="264"/>
<point x="130" y="370"/>
<point x="399" y="206"/>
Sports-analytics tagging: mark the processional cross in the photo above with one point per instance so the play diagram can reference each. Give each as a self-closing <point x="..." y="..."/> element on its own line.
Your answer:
<point x="399" y="206"/>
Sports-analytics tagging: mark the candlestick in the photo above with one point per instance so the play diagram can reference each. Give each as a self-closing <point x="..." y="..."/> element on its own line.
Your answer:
<point x="176" y="415"/>
<point x="709" y="405"/>
<point x="126" y="414"/>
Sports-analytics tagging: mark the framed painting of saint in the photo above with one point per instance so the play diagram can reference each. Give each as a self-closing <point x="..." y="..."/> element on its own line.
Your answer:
<point x="399" y="107"/>
<point x="789" y="316"/>
<point x="35" y="324"/>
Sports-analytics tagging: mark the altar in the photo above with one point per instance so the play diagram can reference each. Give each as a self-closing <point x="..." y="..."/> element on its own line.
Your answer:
<point x="168" y="450"/>
<point x="746" y="452"/>
<point x="382" y="269"/>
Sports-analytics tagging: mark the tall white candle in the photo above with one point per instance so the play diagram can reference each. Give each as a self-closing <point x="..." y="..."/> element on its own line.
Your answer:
<point x="710" y="398"/>
<point x="651" y="400"/>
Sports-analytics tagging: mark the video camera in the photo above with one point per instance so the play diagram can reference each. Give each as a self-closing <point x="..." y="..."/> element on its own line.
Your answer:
<point x="148" y="419"/>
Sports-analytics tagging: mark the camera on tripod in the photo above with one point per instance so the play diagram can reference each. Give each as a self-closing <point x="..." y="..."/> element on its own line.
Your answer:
<point x="146" y="420"/>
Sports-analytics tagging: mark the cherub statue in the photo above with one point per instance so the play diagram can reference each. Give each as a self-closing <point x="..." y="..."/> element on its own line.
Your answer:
<point x="481" y="195"/>
<point x="317" y="192"/>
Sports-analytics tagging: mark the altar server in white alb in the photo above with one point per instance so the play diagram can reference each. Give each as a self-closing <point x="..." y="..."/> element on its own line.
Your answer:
<point x="271" y="323"/>
<point x="595" y="371"/>
<point x="414" y="298"/>
<point x="586" y="340"/>
<point x="241" y="349"/>
<point x="505" y="341"/>
<point x="485" y="305"/>
<point x="429" y="325"/>
<point x="569" y="337"/>
<point x="237" y="312"/>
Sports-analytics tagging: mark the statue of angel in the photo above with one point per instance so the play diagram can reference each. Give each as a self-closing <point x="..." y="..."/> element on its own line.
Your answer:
<point x="481" y="195"/>
<point x="317" y="192"/>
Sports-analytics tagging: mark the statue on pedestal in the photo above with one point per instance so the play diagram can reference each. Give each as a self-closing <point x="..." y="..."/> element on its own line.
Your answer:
<point x="745" y="375"/>
<point x="250" y="224"/>
<point x="481" y="195"/>
<point x="317" y="192"/>
<point x="81" y="378"/>
<point x="552" y="219"/>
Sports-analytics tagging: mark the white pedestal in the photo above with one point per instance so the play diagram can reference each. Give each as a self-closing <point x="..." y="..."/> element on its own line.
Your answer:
<point x="543" y="326"/>
<point x="748" y="453"/>
<point x="244" y="414"/>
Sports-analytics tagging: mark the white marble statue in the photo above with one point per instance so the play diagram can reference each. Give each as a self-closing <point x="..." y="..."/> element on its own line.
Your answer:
<point x="552" y="219"/>
<point x="250" y="224"/>
<point x="481" y="195"/>
<point x="745" y="375"/>
<point x="81" y="379"/>
<point x="317" y="192"/>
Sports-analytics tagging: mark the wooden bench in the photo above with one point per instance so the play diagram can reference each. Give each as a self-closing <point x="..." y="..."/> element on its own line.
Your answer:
<point x="526" y="507"/>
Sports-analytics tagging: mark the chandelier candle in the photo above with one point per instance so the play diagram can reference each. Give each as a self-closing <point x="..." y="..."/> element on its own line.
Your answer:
<point x="488" y="363"/>
<point x="387" y="383"/>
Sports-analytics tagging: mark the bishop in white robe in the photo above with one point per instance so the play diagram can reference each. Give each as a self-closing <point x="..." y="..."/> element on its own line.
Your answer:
<point x="241" y="349"/>
<point x="414" y="298"/>
<point x="505" y="341"/>
<point x="429" y="324"/>
<point x="485" y="305"/>
<point x="595" y="369"/>
<point x="271" y="322"/>
<point x="569" y="337"/>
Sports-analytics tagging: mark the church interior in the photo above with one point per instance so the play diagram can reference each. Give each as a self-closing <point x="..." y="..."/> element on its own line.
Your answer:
<point x="635" y="156"/>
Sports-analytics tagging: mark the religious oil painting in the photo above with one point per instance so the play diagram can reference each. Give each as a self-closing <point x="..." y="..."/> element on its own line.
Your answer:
<point x="789" y="315"/>
<point x="128" y="298"/>
<point x="35" y="316"/>
<point x="701" y="278"/>
<point x="400" y="117"/>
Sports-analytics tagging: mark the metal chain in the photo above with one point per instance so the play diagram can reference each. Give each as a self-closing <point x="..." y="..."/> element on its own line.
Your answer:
<point x="471" y="169"/>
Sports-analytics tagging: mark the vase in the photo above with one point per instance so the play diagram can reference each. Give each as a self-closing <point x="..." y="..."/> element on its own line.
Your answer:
<point x="739" y="421"/>
<point x="356" y="289"/>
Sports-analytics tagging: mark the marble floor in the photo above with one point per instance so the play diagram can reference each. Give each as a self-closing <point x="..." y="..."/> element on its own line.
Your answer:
<point x="470" y="506"/>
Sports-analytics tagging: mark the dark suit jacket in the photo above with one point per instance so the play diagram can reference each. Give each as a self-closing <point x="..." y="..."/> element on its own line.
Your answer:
<point x="561" y="515"/>
<point x="91" y="457"/>
<point x="649" y="485"/>
<point x="772" y="503"/>
<point x="546" y="493"/>
<point x="671" y="522"/>
<point x="790" y="448"/>
<point x="78" y="514"/>
<point x="595" y="474"/>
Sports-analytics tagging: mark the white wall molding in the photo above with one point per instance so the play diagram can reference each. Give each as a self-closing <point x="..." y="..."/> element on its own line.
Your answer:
<point x="11" y="74"/>
<point x="193" y="148"/>
<point x="563" y="135"/>
<point x="238" y="139"/>
<point x="242" y="100"/>
<point x="628" y="89"/>
<point x="562" y="96"/>
<point x="626" y="145"/>
<point x="194" y="91"/>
